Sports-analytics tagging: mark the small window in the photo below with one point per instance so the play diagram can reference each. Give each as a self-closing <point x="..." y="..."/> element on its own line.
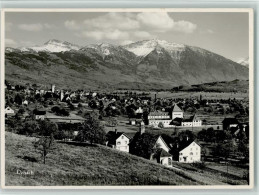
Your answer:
<point x="126" y="142"/>
<point x="181" y="153"/>
<point x="191" y="153"/>
<point x="122" y="137"/>
<point x="118" y="143"/>
<point x="191" y="149"/>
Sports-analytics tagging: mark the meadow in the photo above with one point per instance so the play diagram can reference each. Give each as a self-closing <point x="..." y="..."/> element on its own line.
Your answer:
<point x="95" y="165"/>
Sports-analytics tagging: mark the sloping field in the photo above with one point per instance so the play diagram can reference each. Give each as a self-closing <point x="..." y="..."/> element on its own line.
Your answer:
<point x="91" y="165"/>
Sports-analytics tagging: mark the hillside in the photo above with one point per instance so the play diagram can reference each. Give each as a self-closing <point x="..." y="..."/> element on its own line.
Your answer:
<point x="141" y="65"/>
<point x="75" y="165"/>
<point x="96" y="165"/>
<point x="223" y="86"/>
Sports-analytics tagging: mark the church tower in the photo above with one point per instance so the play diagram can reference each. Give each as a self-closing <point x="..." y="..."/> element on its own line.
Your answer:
<point x="142" y="128"/>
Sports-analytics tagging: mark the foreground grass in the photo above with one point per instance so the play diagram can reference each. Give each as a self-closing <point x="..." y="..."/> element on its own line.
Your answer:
<point x="77" y="165"/>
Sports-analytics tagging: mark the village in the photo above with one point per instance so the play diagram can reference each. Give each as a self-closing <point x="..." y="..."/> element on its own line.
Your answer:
<point x="182" y="130"/>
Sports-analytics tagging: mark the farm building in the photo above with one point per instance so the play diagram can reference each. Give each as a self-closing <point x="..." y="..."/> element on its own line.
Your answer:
<point x="39" y="114"/>
<point x="192" y="121"/>
<point x="9" y="111"/>
<point x="229" y="122"/>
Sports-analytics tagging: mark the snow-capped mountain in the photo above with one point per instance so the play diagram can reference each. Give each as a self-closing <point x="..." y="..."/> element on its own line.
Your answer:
<point x="143" y="64"/>
<point x="52" y="46"/>
<point x="244" y="62"/>
<point x="143" y="48"/>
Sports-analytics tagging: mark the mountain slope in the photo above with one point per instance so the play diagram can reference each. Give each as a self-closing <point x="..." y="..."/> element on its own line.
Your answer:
<point x="150" y="64"/>
<point x="244" y="62"/>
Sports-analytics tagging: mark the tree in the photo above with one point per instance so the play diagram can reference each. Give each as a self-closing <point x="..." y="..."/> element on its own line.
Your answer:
<point x="141" y="145"/>
<point x="18" y="99"/>
<point x="92" y="130"/>
<point x="112" y="122"/>
<point x="45" y="144"/>
<point x="161" y="125"/>
<point x="30" y="128"/>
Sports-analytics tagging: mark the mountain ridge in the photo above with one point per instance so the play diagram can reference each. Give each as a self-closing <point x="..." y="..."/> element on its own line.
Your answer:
<point x="160" y="64"/>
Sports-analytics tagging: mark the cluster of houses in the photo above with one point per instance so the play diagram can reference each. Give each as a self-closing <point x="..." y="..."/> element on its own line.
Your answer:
<point x="164" y="151"/>
<point x="164" y="119"/>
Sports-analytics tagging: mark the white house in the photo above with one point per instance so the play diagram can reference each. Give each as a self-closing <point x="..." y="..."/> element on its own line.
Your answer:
<point x="25" y="102"/>
<point x="190" y="152"/>
<point x="177" y="112"/>
<point x="118" y="140"/>
<point x="9" y="111"/>
<point x="192" y="121"/>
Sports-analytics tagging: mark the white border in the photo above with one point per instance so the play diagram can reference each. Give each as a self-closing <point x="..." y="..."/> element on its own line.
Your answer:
<point x="250" y="11"/>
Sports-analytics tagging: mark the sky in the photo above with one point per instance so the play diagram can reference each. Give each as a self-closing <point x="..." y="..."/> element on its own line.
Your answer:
<point x="226" y="34"/>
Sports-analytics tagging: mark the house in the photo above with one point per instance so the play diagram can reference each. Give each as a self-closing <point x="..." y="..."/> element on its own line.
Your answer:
<point x="177" y="112"/>
<point x="25" y="102"/>
<point x="192" y="121"/>
<point x="139" y="112"/>
<point x="187" y="151"/>
<point x="118" y="140"/>
<point x="9" y="111"/>
<point x="39" y="114"/>
<point x="229" y="122"/>
<point x="132" y="121"/>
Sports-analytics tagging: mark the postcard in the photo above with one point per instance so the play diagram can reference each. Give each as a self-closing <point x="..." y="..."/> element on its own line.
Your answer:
<point x="127" y="98"/>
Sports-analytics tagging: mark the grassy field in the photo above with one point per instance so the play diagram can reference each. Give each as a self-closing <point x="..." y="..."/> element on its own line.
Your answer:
<point x="93" y="165"/>
<point x="77" y="165"/>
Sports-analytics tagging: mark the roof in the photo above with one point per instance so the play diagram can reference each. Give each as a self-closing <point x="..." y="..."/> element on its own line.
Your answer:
<point x="183" y="144"/>
<point x="191" y="118"/>
<point x="39" y="111"/>
<point x="159" y="136"/>
<point x="112" y="136"/>
<point x="176" y="109"/>
<point x="158" y="113"/>
<point x="230" y="121"/>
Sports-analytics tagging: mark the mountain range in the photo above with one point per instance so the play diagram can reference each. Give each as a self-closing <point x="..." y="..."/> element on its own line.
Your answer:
<point x="147" y="64"/>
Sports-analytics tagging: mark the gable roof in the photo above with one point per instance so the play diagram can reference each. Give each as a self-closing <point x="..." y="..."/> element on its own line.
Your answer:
<point x="112" y="136"/>
<point x="230" y="121"/>
<point x="184" y="144"/>
<point x="159" y="136"/>
<point x="39" y="111"/>
<point x="176" y="109"/>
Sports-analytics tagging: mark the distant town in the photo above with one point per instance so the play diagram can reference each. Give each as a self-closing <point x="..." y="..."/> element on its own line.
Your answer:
<point x="163" y="130"/>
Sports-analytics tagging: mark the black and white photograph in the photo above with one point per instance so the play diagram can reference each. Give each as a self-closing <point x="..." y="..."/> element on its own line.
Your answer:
<point x="127" y="98"/>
